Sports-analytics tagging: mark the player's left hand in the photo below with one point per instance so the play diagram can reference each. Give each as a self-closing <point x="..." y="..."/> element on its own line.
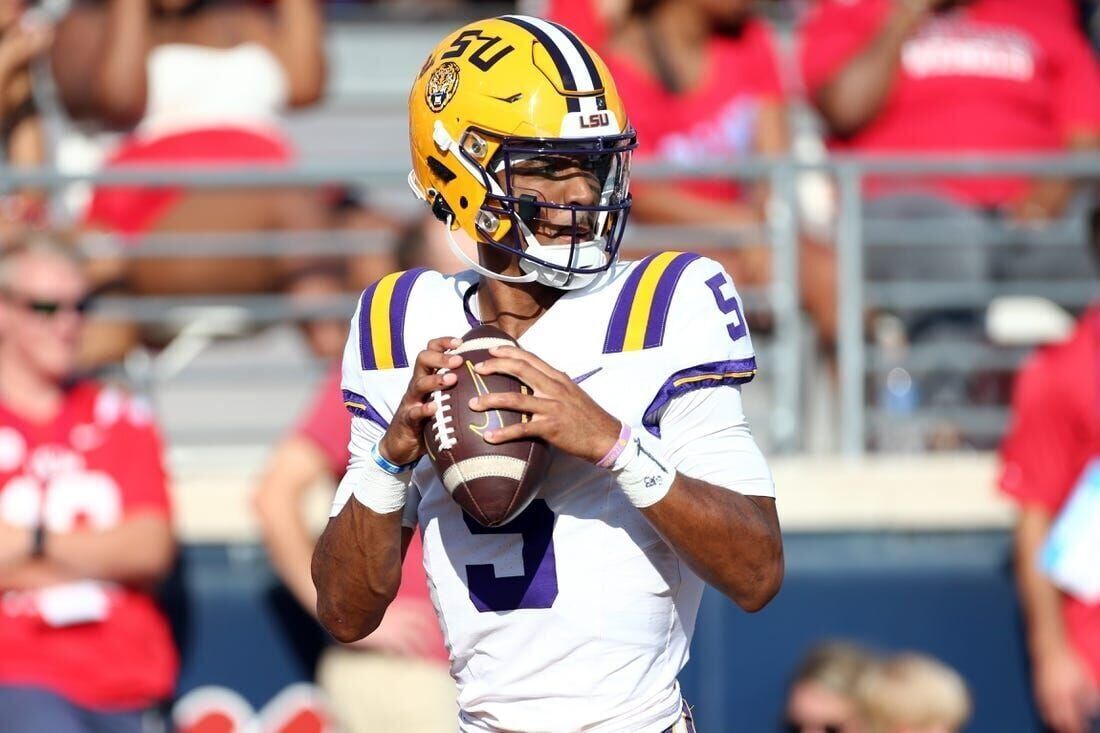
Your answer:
<point x="561" y="412"/>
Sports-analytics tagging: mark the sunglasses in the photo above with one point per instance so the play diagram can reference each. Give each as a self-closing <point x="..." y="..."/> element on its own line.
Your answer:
<point x="791" y="726"/>
<point x="50" y="308"/>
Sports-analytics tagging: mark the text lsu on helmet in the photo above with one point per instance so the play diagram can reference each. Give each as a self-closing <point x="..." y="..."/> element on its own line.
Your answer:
<point x="517" y="91"/>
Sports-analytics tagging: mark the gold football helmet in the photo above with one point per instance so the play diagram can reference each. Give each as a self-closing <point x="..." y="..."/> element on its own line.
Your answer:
<point x="520" y="93"/>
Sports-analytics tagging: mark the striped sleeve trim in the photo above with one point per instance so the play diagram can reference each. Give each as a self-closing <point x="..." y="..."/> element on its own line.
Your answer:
<point x="703" y="376"/>
<point x="382" y="311"/>
<point x="358" y="405"/>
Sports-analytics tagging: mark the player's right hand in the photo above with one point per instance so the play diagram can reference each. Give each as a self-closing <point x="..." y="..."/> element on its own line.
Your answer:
<point x="1066" y="695"/>
<point x="402" y="442"/>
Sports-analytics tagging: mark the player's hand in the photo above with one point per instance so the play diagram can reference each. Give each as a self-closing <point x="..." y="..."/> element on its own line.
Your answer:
<point x="402" y="442"/>
<point x="1067" y="697"/>
<point x="561" y="412"/>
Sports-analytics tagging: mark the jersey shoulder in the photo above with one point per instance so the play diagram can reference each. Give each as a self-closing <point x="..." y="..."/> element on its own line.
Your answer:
<point x="386" y="332"/>
<point x="388" y="307"/>
<point x="683" y="307"/>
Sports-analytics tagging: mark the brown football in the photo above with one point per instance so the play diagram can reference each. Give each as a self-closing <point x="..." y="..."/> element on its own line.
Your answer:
<point x="492" y="483"/>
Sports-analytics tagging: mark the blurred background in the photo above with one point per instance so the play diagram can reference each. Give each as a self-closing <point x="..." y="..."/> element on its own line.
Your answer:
<point x="904" y="193"/>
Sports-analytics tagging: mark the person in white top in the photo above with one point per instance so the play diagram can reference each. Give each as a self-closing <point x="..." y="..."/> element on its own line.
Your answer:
<point x="195" y="83"/>
<point x="578" y="614"/>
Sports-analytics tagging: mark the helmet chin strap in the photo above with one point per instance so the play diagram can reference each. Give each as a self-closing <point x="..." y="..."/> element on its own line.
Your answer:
<point x="476" y="266"/>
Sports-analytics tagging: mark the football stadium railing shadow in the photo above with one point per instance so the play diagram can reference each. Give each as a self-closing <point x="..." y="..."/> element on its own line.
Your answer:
<point x="869" y="409"/>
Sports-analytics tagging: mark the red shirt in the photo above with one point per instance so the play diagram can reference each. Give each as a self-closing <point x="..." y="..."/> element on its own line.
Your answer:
<point x="1055" y="431"/>
<point x="96" y="463"/>
<point x="580" y="16"/>
<point x="990" y="76"/>
<point x="716" y="120"/>
<point x="327" y="425"/>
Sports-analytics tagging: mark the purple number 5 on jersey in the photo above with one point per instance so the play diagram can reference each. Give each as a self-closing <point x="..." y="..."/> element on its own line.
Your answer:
<point x="736" y="327"/>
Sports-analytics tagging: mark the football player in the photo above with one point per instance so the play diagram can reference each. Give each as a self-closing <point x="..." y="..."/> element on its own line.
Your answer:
<point x="578" y="614"/>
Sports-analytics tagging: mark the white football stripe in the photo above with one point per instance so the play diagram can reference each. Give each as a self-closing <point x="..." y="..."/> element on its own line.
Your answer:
<point x="483" y="467"/>
<point x="481" y="344"/>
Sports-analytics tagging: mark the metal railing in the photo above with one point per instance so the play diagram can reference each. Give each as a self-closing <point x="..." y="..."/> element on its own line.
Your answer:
<point x="784" y="359"/>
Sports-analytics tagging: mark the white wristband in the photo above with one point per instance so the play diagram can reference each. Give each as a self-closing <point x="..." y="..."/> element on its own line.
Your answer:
<point x="380" y="491"/>
<point x="643" y="471"/>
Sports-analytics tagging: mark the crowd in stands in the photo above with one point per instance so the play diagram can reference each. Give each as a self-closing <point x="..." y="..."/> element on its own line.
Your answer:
<point x="190" y="84"/>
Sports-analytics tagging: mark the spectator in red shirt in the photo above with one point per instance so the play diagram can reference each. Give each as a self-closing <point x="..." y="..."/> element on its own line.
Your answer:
<point x="1054" y="434"/>
<point x="702" y="82"/>
<point x="994" y="76"/>
<point x="84" y="520"/>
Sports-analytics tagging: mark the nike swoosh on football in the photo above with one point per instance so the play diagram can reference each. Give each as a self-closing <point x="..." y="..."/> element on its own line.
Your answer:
<point x="586" y="375"/>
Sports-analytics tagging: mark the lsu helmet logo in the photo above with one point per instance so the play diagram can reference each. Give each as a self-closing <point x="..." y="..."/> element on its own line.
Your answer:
<point x="442" y="85"/>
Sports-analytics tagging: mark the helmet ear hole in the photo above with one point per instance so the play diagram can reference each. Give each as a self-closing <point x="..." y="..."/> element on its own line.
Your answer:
<point x="527" y="208"/>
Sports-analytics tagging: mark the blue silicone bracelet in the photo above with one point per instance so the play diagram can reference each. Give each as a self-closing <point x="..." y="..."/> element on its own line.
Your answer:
<point x="391" y="468"/>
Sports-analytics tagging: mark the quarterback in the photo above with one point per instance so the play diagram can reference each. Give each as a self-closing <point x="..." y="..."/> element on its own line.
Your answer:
<point x="578" y="614"/>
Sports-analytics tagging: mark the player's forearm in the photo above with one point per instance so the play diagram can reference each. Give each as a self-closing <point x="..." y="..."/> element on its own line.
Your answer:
<point x="853" y="97"/>
<point x="357" y="570"/>
<point x="1040" y="601"/>
<point x="140" y="549"/>
<point x="730" y="540"/>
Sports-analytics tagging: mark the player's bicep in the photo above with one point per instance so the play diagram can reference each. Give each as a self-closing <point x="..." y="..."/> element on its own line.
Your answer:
<point x="708" y="438"/>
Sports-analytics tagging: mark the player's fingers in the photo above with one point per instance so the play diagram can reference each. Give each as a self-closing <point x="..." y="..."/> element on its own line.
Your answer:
<point x="516" y="352"/>
<point x="520" y="369"/>
<point x="514" y="401"/>
<point x="428" y="383"/>
<point x="419" y="411"/>
<point x="443" y="344"/>
<point x="518" y="431"/>
<point x="433" y="358"/>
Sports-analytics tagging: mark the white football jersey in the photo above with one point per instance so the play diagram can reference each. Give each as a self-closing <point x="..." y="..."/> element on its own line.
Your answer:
<point x="576" y="616"/>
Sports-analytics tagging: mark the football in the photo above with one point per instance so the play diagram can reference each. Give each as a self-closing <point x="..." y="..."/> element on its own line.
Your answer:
<point x="492" y="483"/>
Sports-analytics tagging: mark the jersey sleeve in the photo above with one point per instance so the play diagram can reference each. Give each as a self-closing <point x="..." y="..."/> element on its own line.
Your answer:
<point x="375" y="372"/>
<point x="364" y="434"/>
<point x="708" y="438"/>
<point x="377" y="357"/>
<point x="685" y="311"/>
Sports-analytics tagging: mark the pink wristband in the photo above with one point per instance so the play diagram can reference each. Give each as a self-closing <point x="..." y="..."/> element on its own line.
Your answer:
<point x="616" y="450"/>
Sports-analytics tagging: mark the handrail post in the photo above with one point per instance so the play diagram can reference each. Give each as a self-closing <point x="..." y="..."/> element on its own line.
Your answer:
<point x="787" y="362"/>
<point x="850" y="304"/>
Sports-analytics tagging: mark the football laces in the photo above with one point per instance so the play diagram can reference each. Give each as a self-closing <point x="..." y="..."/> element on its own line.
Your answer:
<point x="444" y="431"/>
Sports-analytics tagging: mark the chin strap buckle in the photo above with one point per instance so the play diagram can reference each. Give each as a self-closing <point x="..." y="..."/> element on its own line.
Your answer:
<point x="441" y="209"/>
<point x="527" y="209"/>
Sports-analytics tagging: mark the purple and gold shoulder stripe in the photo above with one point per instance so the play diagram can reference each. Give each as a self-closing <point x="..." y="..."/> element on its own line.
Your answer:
<point x="641" y="311"/>
<point x="382" y="310"/>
